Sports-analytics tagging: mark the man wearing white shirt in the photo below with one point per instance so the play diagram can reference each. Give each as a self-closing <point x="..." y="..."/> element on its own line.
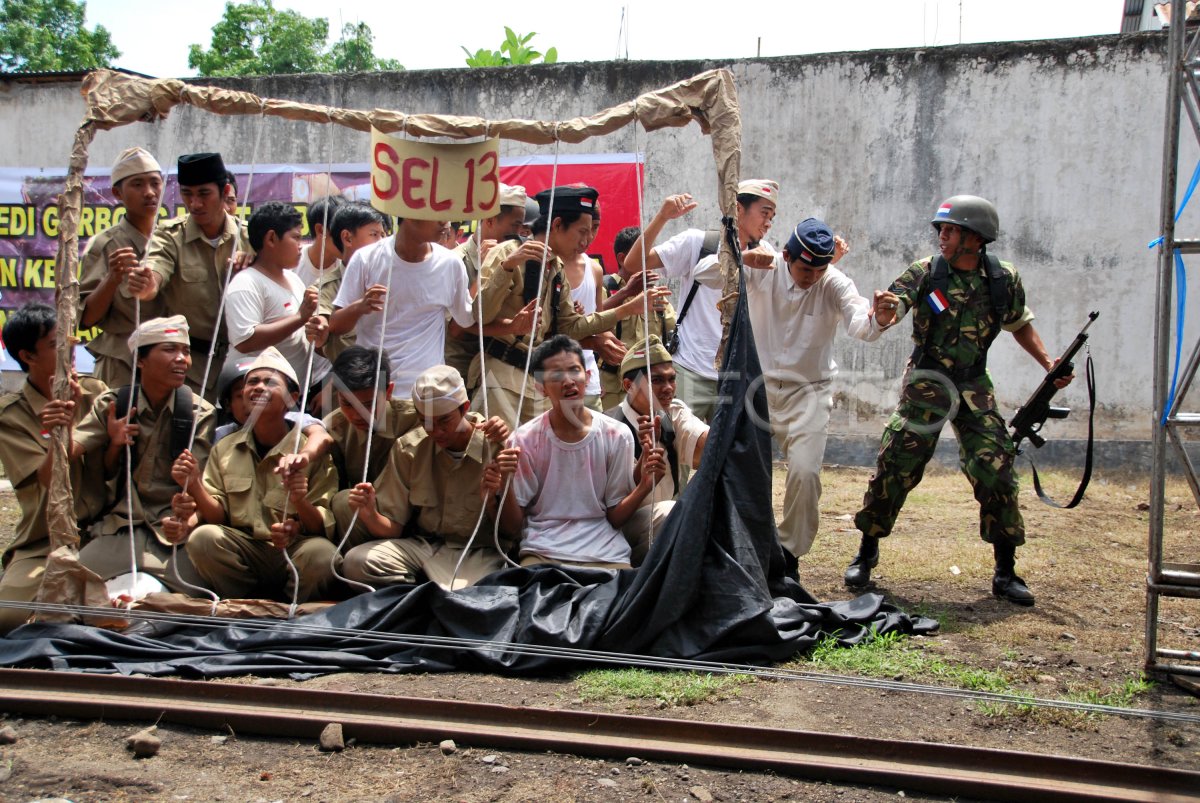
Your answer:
<point x="322" y="255"/>
<point x="796" y="300"/>
<point x="428" y="283"/>
<point x="698" y="323"/>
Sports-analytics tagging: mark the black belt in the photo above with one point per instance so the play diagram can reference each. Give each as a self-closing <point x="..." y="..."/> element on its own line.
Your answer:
<point x="926" y="363"/>
<point x="511" y="354"/>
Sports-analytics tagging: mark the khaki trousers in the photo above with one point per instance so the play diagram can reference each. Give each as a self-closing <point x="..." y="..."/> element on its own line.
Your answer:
<point x="400" y="560"/>
<point x="19" y="583"/>
<point x="108" y="556"/>
<point x="643" y="525"/>
<point x="799" y="419"/>
<point x="237" y="566"/>
<point x="342" y="514"/>
<point x="697" y="392"/>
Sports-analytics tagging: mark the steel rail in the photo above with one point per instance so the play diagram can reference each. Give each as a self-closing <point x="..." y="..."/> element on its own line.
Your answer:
<point x="625" y="660"/>
<point x="302" y="713"/>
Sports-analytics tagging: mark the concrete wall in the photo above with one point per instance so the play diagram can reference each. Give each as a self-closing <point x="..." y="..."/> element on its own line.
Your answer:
<point x="1064" y="136"/>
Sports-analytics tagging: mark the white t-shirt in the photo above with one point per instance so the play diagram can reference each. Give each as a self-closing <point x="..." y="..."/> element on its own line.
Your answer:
<point x="566" y="490"/>
<point x="585" y="294"/>
<point x="307" y="269"/>
<point x="700" y="332"/>
<point x="253" y="299"/>
<point x="422" y="295"/>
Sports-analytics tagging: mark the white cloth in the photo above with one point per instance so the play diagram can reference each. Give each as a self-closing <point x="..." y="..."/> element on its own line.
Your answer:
<point x="566" y="490"/>
<point x="307" y="269"/>
<point x="688" y="431"/>
<point x="700" y="332"/>
<point x="422" y="295"/>
<point x="794" y="328"/>
<point x="254" y="299"/>
<point x="585" y="294"/>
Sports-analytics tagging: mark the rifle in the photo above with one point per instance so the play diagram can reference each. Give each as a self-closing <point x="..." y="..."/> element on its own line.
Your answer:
<point x="1031" y="416"/>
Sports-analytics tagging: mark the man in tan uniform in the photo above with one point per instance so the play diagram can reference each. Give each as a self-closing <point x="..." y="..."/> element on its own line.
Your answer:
<point x="239" y="548"/>
<point x="506" y="286"/>
<point x="160" y="422"/>
<point x="187" y="261"/>
<point x="432" y="489"/>
<point x="26" y="418"/>
<point x="354" y="384"/>
<point x="137" y="183"/>
<point x="461" y="347"/>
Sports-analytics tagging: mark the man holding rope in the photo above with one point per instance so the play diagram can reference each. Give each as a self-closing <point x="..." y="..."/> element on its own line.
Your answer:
<point x="188" y="258"/>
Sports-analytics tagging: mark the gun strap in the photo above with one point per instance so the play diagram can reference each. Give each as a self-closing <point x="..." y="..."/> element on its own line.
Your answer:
<point x="1087" y="463"/>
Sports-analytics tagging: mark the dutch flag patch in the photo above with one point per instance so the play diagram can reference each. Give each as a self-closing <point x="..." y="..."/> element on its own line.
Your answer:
<point x="937" y="302"/>
<point x="943" y="211"/>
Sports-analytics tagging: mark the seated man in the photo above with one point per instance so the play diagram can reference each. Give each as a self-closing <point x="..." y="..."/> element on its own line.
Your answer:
<point x="432" y="489"/>
<point x="576" y="483"/>
<point x="676" y="429"/>
<point x="249" y="517"/>
<point x="355" y="383"/>
<point x="26" y="418"/>
<point x="159" y="425"/>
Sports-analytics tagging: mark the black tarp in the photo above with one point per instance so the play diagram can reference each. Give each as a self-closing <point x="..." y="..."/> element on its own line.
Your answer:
<point x="716" y="586"/>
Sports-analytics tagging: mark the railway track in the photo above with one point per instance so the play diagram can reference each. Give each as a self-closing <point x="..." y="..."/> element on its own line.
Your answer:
<point x="291" y="712"/>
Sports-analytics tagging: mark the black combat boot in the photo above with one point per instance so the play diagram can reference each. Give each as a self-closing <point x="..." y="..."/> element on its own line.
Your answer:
<point x="858" y="574"/>
<point x="1006" y="584"/>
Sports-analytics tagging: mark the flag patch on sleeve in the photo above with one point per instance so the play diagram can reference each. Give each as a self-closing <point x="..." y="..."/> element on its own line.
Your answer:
<point x="937" y="302"/>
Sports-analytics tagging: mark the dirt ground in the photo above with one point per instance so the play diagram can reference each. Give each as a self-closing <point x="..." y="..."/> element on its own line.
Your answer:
<point x="1084" y="640"/>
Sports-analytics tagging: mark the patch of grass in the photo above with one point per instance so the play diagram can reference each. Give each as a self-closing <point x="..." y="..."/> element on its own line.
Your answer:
<point x="1120" y="696"/>
<point x="893" y="656"/>
<point x="666" y="688"/>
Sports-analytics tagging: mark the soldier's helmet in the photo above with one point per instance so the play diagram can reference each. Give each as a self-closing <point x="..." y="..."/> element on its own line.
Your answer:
<point x="971" y="212"/>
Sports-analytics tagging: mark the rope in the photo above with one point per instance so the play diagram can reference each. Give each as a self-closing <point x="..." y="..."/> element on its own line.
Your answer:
<point x="133" y="551"/>
<point x="639" y="173"/>
<point x="345" y="636"/>
<point x="533" y="327"/>
<point x="379" y="391"/>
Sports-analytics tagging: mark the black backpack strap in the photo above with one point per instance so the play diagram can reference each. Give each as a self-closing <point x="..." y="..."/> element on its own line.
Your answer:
<point x="938" y="278"/>
<point x="711" y="244"/>
<point x="666" y="438"/>
<point x="998" y="289"/>
<point x="687" y="304"/>
<point x="181" y="420"/>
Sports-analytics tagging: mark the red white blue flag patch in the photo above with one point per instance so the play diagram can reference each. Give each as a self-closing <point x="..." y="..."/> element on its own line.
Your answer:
<point x="937" y="302"/>
<point x="943" y="211"/>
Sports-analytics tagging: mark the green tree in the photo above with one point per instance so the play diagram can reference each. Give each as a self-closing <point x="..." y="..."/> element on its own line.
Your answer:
<point x="255" y="38"/>
<point x="49" y="35"/>
<point x="513" y="50"/>
<point x="355" y="51"/>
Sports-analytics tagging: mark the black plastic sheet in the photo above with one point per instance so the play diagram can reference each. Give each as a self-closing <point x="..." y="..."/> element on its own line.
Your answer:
<point x="716" y="586"/>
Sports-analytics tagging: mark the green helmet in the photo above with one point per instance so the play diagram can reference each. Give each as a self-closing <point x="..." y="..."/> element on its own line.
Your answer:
<point x="972" y="213"/>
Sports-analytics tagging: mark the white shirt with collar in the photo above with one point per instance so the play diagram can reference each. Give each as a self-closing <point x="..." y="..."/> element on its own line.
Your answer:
<point x="793" y="327"/>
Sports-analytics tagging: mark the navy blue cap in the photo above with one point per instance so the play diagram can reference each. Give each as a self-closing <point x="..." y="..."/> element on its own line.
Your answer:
<point x="569" y="199"/>
<point x="811" y="243"/>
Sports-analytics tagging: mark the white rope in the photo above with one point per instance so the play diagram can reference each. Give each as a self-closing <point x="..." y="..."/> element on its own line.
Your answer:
<point x="380" y="389"/>
<point x="133" y="551"/>
<point x="533" y="328"/>
<point x="640" y="173"/>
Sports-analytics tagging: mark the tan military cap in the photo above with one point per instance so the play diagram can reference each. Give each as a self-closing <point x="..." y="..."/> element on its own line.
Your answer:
<point x="438" y="391"/>
<point x="762" y="187"/>
<point x="271" y="358"/>
<point x="636" y="358"/>
<point x="133" y="161"/>
<point x="160" y="330"/>
<point x="512" y="195"/>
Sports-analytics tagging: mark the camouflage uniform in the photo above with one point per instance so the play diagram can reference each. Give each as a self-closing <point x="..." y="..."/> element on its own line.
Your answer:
<point x="954" y="344"/>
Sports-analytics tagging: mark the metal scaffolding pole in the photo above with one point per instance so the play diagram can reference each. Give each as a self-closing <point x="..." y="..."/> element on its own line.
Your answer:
<point x="1165" y="578"/>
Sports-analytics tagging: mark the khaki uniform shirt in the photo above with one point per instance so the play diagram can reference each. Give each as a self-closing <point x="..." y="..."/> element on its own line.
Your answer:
<point x="461" y="350"/>
<point x="118" y="321"/>
<point x="250" y="491"/>
<point x="328" y="284"/>
<point x="23" y="448"/>
<point x="426" y="480"/>
<point x="502" y="295"/>
<point x="153" y="487"/>
<point x="632" y="332"/>
<point x="193" y="271"/>
<point x="349" y="444"/>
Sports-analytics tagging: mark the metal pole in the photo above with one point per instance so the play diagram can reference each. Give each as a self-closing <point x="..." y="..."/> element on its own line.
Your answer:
<point x="1162" y="321"/>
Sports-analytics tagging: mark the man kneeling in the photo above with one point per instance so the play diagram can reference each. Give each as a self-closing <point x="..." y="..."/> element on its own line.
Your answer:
<point x="576" y="482"/>
<point x="426" y="503"/>
<point x="239" y="551"/>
